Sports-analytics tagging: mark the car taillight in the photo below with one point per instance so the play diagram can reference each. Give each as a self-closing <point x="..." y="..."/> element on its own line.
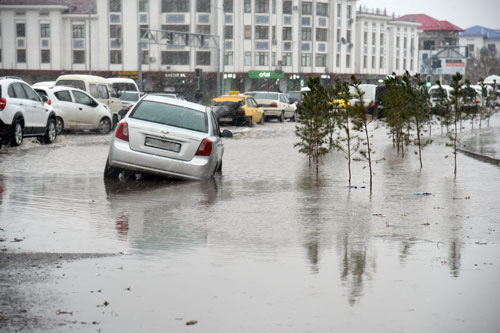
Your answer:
<point x="122" y="131"/>
<point x="273" y="105"/>
<point x="477" y="100"/>
<point x="205" y="148"/>
<point x="49" y="102"/>
<point x="3" y="103"/>
<point x="373" y="103"/>
<point x="240" y="111"/>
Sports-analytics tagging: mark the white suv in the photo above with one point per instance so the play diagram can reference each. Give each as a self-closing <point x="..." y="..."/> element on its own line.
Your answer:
<point x="24" y="114"/>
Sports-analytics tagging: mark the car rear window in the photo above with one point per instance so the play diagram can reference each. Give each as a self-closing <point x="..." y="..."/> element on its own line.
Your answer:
<point x="172" y="115"/>
<point x="72" y="83"/>
<point x="265" y="96"/>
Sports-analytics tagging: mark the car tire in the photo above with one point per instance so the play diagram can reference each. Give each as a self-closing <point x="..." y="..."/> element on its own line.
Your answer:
<point x="17" y="133"/>
<point x="111" y="172"/>
<point x="294" y="117"/>
<point x="262" y="120"/>
<point x="249" y="121"/>
<point x="281" y="117"/>
<point x="219" y="168"/>
<point x="50" y="132"/>
<point x="59" y="125"/>
<point x="115" y="121"/>
<point x="104" y="126"/>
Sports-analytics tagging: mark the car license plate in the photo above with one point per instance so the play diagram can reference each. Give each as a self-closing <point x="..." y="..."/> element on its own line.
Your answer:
<point x="163" y="144"/>
<point x="225" y="119"/>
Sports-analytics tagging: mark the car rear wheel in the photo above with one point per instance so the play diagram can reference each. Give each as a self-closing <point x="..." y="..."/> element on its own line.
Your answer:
<point x="17" y="135"/>
<point x="294" y="117"/>
<point x="104" y="126"/>
<point x="249" y="121"/>
<point x="59" y="125"/>
<point x="281" y="117"/>
<point x="111" y="172"/>
<point x="50" y="133"/>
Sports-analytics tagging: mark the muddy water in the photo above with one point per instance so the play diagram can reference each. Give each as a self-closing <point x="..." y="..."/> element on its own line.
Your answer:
<point x="267" y="246"/>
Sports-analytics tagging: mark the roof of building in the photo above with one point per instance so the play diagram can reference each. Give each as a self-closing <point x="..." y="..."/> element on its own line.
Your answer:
<point x="430" y="23"/>
<point x="74" y="6"/>
<point x="479" y="31"/>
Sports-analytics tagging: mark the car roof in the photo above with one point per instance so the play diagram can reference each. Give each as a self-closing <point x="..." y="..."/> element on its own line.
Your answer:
<point x="178" y="102"/>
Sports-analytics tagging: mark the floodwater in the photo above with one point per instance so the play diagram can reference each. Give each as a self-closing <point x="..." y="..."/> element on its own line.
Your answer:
<point x="268" y="246"/>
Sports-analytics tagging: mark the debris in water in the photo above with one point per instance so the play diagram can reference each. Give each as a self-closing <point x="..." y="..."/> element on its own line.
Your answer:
<point x="192" y="322"/>
<point x="481" y="243"/>
<point x="18" y="239"/>
<point x="59" y="312"/>
<point x="426" y="223"/>
<point x="423" y="193"/>
<point x="379" y="215"/>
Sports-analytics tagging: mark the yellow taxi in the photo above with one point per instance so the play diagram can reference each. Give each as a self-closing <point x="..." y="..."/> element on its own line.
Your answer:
<point x="340" y="103"/>
<point x="237" y="109"/>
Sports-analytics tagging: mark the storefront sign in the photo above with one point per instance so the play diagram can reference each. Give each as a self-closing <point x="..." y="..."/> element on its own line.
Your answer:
<point x="176" y="75"/>
<point x="266" y="75"/>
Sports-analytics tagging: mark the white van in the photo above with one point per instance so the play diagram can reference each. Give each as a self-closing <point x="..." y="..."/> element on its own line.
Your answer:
<point x="98" y="87"/>
<point x="127" y="91"/>
<point x="368" y="97"/>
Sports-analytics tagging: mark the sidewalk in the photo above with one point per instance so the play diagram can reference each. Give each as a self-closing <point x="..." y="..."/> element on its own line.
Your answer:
<point x="484" y="144"/>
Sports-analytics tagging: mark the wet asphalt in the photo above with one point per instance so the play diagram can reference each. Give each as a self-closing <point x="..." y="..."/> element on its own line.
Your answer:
<point x="269" y="245"/>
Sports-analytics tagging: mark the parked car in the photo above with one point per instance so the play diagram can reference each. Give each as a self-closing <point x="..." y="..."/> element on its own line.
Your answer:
<point x="121" y="84"/>
<point x="98" y="87"/>
<point x="129" y="98"/>
<point x="167" y="136"/>
<point x="23" y="113"/>
<point x="237" y="109"/>
<point x="295" y="96"/>
<point x="275" y="105"/>
<point x="77" y="110"/>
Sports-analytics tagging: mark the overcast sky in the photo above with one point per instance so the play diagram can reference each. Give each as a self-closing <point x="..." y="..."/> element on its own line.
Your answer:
<point x="463" y="13"/>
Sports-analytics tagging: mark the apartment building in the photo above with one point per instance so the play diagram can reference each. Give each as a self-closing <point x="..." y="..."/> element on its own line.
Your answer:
<point x="174" y="44"/>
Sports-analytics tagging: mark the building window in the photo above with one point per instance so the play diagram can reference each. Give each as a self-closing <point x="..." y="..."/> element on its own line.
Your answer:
<point x="492" y="47"/>
<point x="228" y="58"/>
<point x="305" y="59"/>
<point x="287" y="33"/>
<point x="261" y="58"/>
<point x="228" y="32"/>
<point x="381" y="62"/>
<point x="337" y="60"/>
<point x="228" y="6"/>
<point x="78" y="57"/>
<point x="470" y="48"/>
<point x="248" y="58"/>
<point x="339" y="10"/>
<point x="115" y="31"/>
<point x="306" y="8"/>
<point x="203" y="58"/>
<point x="203" y="29"/>
<point x="115" y="57"/>
<point x="365" y="61"/>
<point x="348" y="36"/>
<point x="202" y="6"/>
<point x="115" y="6"/>
<point x="373" y="62"/>
<point x="44" y="30"/>
<point x="20" y="30"/>
<point x="287" y="7"/>
<point x="145" y="57"/>
<point x="321" y="35"/>
<point x="348" y="61"/>
<point x="261" y="32"/>
<point x="321" y="60"/>
<point x="174" y="6"/>
<point x="78" y="31"/>
<point x="397" y="42"/>
<point x="175" y="58"/>
<point x="287" y="59"/>
<point x="144" y="5"/>
<point x="349" y="11"/>
<point x="382" y="39"/>
<point x="21" y="56"/>
<point x="321" y="9"/>
<point x="248" y="6"/>
<point x="248" y="32"/>
<point x="306" y="34"/>
<point x="45" y="56"/>
<point x="404" y="64"/>
<point x="262" y="6"/>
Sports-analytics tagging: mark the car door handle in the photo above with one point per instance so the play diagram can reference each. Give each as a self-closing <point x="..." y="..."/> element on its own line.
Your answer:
<point x="80" y="109"/>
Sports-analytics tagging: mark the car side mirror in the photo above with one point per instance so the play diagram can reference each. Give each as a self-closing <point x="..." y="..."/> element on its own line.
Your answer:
<point x="122" y="113"/>
<point x="226" y="134"/>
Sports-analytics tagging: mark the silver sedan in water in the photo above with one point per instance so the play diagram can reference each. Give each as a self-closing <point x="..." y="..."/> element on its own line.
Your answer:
<point x="172" y="137"/>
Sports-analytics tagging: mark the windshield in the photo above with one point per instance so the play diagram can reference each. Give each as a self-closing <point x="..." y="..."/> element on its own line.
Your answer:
<point x="122" y="86"/>
<point x="436" y="93"/>
<point x="294" y="94"/>
<point x="72" y="83"/>
<point x="173" y="115"/>
<point x="265" y="95"/>
<point x="129" y="96"/>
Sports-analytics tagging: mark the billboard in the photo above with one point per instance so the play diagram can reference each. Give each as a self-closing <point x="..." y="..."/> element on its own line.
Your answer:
<point x="441" y="63"/>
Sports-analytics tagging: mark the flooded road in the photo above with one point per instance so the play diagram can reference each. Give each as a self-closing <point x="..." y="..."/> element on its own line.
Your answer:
<point x="268" y="246"/>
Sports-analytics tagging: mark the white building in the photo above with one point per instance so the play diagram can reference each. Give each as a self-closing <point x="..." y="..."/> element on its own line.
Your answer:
<point x="385" y="45"/>
<point x="282" y="41"/>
